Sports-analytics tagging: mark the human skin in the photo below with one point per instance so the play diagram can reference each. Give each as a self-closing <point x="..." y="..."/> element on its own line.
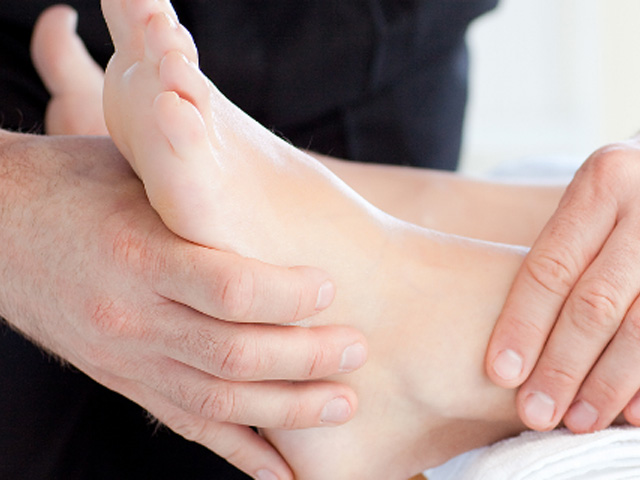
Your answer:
<point x="90" y="273"/>
<point x="448" y="202"/>
<point x="583" y="273"/>
<point x="425" y="301"/>
<point x="546" y="197"/>
<point x="578" y="273"/>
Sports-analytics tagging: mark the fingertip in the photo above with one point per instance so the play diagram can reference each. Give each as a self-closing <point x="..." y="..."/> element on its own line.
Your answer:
<point x="317" y="291"/>
<point x="353" y="357"/>
<point x="326" y="294"/>
<point x="582" y="417"/>
<point x="632" y="411"/>
<point x="506" y="368"/>
<point x="337" y="411"/>
<point x="265" y="474"/>
<point x="537" y="410"/>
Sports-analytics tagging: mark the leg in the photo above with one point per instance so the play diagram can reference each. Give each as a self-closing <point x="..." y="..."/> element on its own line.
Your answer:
<point x="425" y="301"/>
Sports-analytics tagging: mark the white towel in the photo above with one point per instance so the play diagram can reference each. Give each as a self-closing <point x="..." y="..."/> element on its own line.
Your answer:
<point x="612" y="454"/>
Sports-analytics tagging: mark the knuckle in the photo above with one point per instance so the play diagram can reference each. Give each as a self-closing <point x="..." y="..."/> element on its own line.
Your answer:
<point x="190" y="427"/>
<point x="237" y="360"/>
<point x="550" y="271"/>
<point x="315" y="363"/>
<point x="236" y="454"/>
<point x="293" y="417"/>
<point x="525" y="327"/>
<point x="130" y="249"/>
<point x="219" y="404"/>
<point x="609" y="170"/>
<point x="632" y="328"/>
<point x="110" y="320"/>
<point x="605" y="393"/>
<point x="562" y="378"/>
<point x="237" y="292"/>
<point x="594" y="309"/>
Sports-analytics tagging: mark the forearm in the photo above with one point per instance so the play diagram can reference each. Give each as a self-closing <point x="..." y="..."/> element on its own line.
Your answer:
<point x="452" y="203"/>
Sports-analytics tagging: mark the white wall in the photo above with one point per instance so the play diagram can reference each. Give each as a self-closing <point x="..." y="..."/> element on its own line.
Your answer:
<point x="558" y="77"/>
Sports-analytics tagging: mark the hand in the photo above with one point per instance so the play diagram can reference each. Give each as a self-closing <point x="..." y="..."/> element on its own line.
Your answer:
<point x="90" y="273"/>
<point x="577" y="291"/>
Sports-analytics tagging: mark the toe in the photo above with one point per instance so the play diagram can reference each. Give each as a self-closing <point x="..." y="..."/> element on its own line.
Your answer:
<point x="164" y="34"/>
<point x="183" y="126"/>
<point x="119" y="25"/>
<point x="182" y="179"/>
<point x="127" y="21"/>
<point x="60" y="56"/>
<point x="179" y="75"/>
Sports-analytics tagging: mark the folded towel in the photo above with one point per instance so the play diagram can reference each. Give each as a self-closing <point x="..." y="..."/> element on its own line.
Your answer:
<point x="611" y="454"/>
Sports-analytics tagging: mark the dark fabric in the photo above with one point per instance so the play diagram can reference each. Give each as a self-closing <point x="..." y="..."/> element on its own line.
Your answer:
<point x="370" y="80"/>
<point x="57" y="424"/>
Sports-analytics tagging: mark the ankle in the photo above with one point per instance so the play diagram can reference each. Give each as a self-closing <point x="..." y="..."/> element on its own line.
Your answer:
<point x="462" y="285"/>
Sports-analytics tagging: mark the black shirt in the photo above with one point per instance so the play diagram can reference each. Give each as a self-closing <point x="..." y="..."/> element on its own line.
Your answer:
<point x="371" y="80"/>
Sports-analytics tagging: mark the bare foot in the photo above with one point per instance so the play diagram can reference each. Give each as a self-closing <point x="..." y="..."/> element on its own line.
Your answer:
<point x="73" y="79"/>
<point x="425" y="301"/>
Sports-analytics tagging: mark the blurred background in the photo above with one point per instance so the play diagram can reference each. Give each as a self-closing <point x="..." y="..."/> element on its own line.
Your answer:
<point x="551" y="77"/>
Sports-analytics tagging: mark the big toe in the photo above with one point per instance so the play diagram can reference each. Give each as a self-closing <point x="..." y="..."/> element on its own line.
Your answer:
<point x="60" y="56"/>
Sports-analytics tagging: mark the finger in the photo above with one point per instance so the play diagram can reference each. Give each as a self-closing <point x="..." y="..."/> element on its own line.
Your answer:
<point x="282" y="405"/>
<point x="632" y="410"/>
<point x="568" y="244"/>
<point x="230" y="287"/>
<point x="249" y="352"/>
<point x="589" y="320"/>
<point x="239" y="445"/>
<point x="613" y="381"/>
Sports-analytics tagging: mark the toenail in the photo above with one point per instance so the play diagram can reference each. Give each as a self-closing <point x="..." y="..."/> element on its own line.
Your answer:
<point x="508" y="365"/>
<point x="582" y="416"/>
<point x="539" y="409"/>
<point x="337" y="410"/>
<point x="353" y="357"/>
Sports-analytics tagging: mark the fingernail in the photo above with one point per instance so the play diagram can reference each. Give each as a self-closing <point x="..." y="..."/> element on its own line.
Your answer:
<point x="353" y="358"/>
<point x="582" y="416"/>
<point x="539" y="409"/>
<point x="634" y="408"/>
<point x="325" y="295"/>
<point x="337" y="410"/>
<point x="508" y="365"/>
<point x="266" y="475"/>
